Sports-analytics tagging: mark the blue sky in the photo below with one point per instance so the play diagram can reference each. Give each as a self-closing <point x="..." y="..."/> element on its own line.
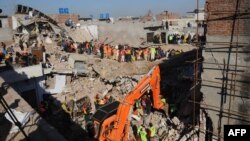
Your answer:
<point x="94" y="7"/>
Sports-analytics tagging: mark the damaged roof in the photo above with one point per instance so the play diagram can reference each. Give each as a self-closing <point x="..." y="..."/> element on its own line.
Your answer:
<point x="21" y="9"/>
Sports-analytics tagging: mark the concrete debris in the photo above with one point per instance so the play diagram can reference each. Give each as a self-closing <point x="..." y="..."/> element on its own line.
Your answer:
<point x="60" y="82"/>
<point x="105" y="92"/>
<point x="124" y="84"/>
<point x="173" y="135"/>
<point x="48" y="40"/>
<point x="109" y="87"/>
<point x="176" y="121"/>
<point x="79" y="35"/>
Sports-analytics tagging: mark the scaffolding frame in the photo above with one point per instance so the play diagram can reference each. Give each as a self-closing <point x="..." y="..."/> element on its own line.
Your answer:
<point x="229" y="81"/>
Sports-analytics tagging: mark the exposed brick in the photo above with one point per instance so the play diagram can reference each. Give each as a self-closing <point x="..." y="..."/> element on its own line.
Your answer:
<point x="61" y="18"/>
<point x="226" y="9"/>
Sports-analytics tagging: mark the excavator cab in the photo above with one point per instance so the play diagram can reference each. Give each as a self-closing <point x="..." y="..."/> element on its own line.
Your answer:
<point x="103" y="119"/>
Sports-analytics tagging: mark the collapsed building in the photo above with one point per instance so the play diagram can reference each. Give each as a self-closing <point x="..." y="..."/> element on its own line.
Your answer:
<point x="68" y="79"/>
<point x="59" y="90"/>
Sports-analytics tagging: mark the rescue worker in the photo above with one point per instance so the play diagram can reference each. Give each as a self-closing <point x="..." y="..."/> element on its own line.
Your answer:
<point x="126" y="55"/>
<point x="163" y="100"/>
<point x="85" y="109"/>
<point x="66" y="108"/>
<point x="123" y="55"/>
<point x="139" y="128"/>
<point x="139" y="54"/>
<point x="129" y="55"/>
<point x="111" y="99"/>
<point x="152" y="53"/>
<point x="96" y="101"/>
<point x="148" y="105"/>
<point x="143" y="134"/>
<point x="106" y="99"/>
<point x="102" y="51"/>
<point x="152" y="130"/>
<point x="114" y="50"/>
<point x="145" y="54"/>
<point x="101" y="102"/>
<point x="88" y="49"/>
<point x="105" y="50"/>
<point x="140" y="111"/>
<point x="117" y="53"/>
<point x="173" y="109"/>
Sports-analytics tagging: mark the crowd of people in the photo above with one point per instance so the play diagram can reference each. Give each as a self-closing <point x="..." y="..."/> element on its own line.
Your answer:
<point x="121" y="53"/>
<point x="180" y="39"/>
<point x="185" y="38"/>
<point x="24" y="57"/>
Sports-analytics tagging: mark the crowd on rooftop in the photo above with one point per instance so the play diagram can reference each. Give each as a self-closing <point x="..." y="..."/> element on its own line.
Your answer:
<point x="121" y="53"/>
<point x="187" y="38"/>
<point x="23" y="56"/>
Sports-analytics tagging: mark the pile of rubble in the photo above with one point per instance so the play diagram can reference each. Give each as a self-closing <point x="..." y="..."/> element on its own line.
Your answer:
<point x="166" y="129"/>
<point x="124" y="84"/>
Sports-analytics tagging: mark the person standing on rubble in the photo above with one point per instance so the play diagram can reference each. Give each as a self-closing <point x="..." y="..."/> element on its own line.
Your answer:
<point x="148" y="105"/>
<point x="139" y="54"/>
<point x="105" y="50"/>
<point x="117" y="53"/>
<point x="123" y="55"/>
<point x="129" y="54"/>
<point x="152" y="53"/>
<point x="114" y="53"/>
<point x="145" y="54"/>
<point x="102" y="51"/>
<point x="96" y="101"/>
<point x="140" y="111"/>
<point x="143" y="134"/>
<point x="88" y="48"/>
<point x="152" y="132"/>
<point x="126" y="55"/>
<point x="143" y="102"/>
<point x="109" y="51"/>
<point x="3" y="46"/>
<point x="92" y="44"/>
<point x="133" y="54"/>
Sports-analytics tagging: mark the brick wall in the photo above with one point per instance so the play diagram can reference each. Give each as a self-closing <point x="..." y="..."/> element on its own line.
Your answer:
<point x="165" y="15"/>
<point x="61" y="18"/>
<point x="217" y="9"/>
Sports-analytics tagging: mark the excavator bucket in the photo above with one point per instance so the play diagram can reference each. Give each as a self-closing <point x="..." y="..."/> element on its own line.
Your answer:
<point x="105" y="111"/>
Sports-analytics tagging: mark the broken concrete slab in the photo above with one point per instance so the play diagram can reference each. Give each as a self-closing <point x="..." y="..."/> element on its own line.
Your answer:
<point x="60" y="82"/>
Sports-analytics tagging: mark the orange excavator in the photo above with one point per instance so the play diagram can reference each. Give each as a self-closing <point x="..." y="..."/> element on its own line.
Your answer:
<point x="112" y="121"/>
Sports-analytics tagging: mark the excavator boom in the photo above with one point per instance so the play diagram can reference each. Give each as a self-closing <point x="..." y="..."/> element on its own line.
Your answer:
<point x="121" y="121"/>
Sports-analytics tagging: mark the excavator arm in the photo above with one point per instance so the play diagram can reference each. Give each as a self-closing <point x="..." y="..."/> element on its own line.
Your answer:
<point x="121" y="121"/>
